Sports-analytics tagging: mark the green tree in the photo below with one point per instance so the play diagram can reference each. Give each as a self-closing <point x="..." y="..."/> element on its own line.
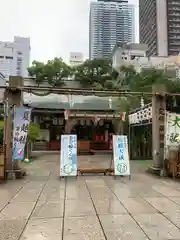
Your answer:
<point x="96" y="73"/>
<point x="34" y="132"/>
<point x="54" y="71"/>
<point x="140" y="82"/>
<point x="133" y="81"/>
<point x="37" y="71"/>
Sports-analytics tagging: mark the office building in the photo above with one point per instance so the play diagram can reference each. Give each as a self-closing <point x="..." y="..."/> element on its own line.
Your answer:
<point x="110" y="22"/>
<point x="15" y="57"/>
<point x="159" y="26"/>
<point x="135" y="55"/>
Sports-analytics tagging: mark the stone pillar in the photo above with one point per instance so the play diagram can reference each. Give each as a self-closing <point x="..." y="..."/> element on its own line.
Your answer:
<point x="15" y="98"/>
<point x="158" y="111"/>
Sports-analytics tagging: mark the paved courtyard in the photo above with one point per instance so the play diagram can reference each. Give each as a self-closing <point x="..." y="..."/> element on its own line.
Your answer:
<point x="41" y="207"/>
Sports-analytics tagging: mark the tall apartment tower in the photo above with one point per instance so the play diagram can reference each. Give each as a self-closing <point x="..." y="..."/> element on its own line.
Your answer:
<point x="15" y="57"/>
<point x="159" y="26"/>
<point x="110" y="22"/>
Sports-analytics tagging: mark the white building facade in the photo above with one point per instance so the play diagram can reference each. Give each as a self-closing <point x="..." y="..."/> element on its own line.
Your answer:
<point x="135" y="55"/>
<point x="15" y="57"/>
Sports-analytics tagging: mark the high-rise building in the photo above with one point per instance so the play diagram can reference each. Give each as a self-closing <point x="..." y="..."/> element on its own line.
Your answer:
<point x="159" y="26"/>
<point x="109" y="23"/>
<point x="15" y="57"/>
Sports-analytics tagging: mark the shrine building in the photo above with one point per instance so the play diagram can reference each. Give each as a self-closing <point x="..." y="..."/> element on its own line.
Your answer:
<point x="93" y="119"/>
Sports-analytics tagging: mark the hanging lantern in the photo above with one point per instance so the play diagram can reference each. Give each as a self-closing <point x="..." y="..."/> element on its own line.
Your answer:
<point x="110" y="102"/>
<point x="88" y="122"/>
<point x="61" y="121"/>
<point x="54" y="121"/>
<point x="101" y="122"/>
<point x="96" y="119"/>
<point x="122" y="116"/>
<point x="82" y="122"/>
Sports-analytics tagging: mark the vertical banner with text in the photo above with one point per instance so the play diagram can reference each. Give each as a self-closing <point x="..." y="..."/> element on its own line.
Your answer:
<point x="68" y="158"/>
<point x="121" y="155"/>
<point x="22" y="117"/>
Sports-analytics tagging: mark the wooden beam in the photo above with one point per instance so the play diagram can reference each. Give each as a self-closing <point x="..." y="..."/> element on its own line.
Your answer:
<point x="81" y="91"/>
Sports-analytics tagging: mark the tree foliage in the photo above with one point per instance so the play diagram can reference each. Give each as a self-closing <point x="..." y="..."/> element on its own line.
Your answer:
<point x="95" y="73"/>
<point x="34" y="132"/>
<point x="54" y="71"/>
<point x="99" y="74"/>
<point x="141" y="82"/>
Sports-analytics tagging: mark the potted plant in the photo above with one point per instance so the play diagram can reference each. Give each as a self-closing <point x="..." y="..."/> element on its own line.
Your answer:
<point x="33" y="135"/>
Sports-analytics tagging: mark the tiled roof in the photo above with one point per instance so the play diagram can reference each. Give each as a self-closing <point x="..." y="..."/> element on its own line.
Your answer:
<point x="87" y="104"/>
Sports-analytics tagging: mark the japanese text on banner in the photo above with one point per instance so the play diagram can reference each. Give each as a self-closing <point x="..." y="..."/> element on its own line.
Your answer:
<point x="22" y="118"/>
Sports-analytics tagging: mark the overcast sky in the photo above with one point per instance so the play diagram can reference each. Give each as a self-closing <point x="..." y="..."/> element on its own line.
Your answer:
<point x="56" y="27"/>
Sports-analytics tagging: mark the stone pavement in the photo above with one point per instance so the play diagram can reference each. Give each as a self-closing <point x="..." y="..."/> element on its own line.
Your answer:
<point x="43" y="207"/>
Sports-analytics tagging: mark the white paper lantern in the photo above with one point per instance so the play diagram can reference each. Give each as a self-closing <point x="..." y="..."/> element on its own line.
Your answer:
<point x="36" y="120"/>
<point x="101" y="122"/>
<point x="82" y="122"/>
<point x="88" y="122"/>
<point x="61" y="121"/>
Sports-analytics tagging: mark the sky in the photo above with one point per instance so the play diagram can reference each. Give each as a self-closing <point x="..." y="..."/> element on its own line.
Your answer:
<point x="55" y="27"/>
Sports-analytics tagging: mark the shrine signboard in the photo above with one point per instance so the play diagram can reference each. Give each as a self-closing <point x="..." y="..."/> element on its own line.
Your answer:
<point x="172" y="132"/>
<point x="121" y="155"/>
<point x="22" y="117"/>
<point x="68" y="158"/>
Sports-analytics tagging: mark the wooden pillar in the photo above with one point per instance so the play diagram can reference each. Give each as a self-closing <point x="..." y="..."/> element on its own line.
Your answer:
<point x="69" y="126"/>
<point x="158" y="111"/>
<point x="118" y="127"/>
<point x="67" y="130"/>
<point x="15" y="98"/>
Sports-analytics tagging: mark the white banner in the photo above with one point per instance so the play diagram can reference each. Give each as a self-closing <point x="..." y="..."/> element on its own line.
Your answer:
<point x="121" y="155"/>
<point x="172" y="132"/>
<point x="22" y="117"/>
<point x="68" y="158"/>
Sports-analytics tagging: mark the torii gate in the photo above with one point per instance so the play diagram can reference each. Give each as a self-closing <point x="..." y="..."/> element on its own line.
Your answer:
<point x="153" y="113"/>
<point x="14" y="95"/>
